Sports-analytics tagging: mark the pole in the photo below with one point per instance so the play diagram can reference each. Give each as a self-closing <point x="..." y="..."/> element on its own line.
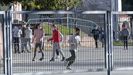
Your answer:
<point x="9" y="43"/>
<point x="113" y="8"/>
<point x="108" y="44"/>
<point x="111" y="39"/>
<point x="5" y="43"/>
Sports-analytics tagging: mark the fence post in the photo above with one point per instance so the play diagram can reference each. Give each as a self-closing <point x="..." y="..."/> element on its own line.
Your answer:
<point x="8" y="45"/>
<point x="111" y="39"/>
<point x="109" y="49"/>
<point x="106" y="42"/>
<point x="5" y="43"/>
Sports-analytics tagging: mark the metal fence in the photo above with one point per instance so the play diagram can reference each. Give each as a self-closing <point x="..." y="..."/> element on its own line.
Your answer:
<point x="2" y="57"/>
<point x="88" y="57"/>
<point x="122" y="48"/>
<point x="109" y="54"/>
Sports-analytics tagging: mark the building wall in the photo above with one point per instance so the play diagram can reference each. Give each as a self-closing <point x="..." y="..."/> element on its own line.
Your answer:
<point x="1" y="42"/>
<point x="16" y="7"/>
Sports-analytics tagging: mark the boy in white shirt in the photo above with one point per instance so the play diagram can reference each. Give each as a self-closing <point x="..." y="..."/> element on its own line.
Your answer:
<point x="17" y="38"/>
<point x="74" y="42"/>
<point x="28" y="37"/>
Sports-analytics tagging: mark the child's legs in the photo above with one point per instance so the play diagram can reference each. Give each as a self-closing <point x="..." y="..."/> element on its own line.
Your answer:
<point x="70" y="63"/>
<point x="40" y="47"/>
<point x="54" y="49"/>
<point x="72" y="57"/>
<point x="57" y="52"/>
<point x="126" y="41"/>
<point x="59" y="49"/>
<point x="36" y="45"/>
<point x="28" y="43"/>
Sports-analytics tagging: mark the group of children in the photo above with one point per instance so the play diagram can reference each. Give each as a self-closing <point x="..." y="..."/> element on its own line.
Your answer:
<point x="22" y="36"/>
<point x="38" y="39"/>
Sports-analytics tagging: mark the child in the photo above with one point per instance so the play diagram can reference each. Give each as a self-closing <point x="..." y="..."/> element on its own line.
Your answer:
<point x="74" y="42"/>
<point x="56" y="42"/>
<point x="37" y="39"/>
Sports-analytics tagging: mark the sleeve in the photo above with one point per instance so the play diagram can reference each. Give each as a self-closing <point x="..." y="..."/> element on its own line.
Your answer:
<point x="34" y="33"/>
<point x="78" y="39"/>
<point x="43" y="34"/>
<point x="61" y="36"/>
<point x="70" y="40"/>
<point x="20" y="31"/>
<point x="31" y="33"/>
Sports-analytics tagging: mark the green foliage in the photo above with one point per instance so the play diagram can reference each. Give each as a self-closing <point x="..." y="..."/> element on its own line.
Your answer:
<point x="45" y="4"/>
<point x="63" y="4"/>
<point x="63" y="29"/>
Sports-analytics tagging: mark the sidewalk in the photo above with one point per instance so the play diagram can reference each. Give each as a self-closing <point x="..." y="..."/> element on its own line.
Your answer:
<point x="101" y="73"/>
<point x="82" y="73"/>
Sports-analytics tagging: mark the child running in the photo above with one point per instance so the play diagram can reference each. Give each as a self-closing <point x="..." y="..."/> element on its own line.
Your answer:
<point x="74" y="42"/>
<point x="56" y="39"/>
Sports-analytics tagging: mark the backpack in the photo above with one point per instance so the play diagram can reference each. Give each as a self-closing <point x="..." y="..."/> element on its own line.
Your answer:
<point x="124" y="32"/>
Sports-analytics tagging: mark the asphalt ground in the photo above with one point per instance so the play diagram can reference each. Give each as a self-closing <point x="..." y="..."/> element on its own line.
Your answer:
<point x="89" y="60"/>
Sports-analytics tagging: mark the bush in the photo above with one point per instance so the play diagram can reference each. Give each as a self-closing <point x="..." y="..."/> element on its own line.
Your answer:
<point x="64" y="30"/>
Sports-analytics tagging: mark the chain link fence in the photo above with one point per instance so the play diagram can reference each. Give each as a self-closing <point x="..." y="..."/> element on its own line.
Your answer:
<point x="88" y="56"/>
<point x="123" y="42"/>
<point x="94" y="52"/>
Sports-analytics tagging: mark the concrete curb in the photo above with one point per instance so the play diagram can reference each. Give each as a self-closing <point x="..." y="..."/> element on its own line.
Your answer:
<point x="61" y="72"/>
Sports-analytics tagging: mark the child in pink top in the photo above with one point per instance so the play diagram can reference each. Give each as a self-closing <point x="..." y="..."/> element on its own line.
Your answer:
<point x="38" y="39"/>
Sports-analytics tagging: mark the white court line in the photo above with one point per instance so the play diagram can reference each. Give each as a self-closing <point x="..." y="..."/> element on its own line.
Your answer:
<point x="124" y="68"/>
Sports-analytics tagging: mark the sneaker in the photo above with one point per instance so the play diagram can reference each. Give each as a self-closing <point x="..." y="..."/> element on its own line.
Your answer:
<point x="41" y="59"/>
<point x="57" y="57"/>
<point x="28" y="51"/>
<point x="63" y="58"/>
<point x="33" y="59"/>
<point x="23" y="51"/>
<point x="52" y="60"/>
<point x="68" y="68"/>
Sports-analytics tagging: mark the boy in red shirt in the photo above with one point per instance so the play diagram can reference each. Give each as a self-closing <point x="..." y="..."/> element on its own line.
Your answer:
<point x="56" y="42"/>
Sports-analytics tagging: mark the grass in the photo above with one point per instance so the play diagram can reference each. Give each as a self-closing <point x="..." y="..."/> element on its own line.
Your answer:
<point x="120" y="43"/>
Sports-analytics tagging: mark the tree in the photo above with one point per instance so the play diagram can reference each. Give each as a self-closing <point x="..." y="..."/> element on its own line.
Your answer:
<point x="45" y="4"/>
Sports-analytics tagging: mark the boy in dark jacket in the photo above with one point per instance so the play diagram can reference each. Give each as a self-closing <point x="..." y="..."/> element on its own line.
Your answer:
<point x="96" y="33"/>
